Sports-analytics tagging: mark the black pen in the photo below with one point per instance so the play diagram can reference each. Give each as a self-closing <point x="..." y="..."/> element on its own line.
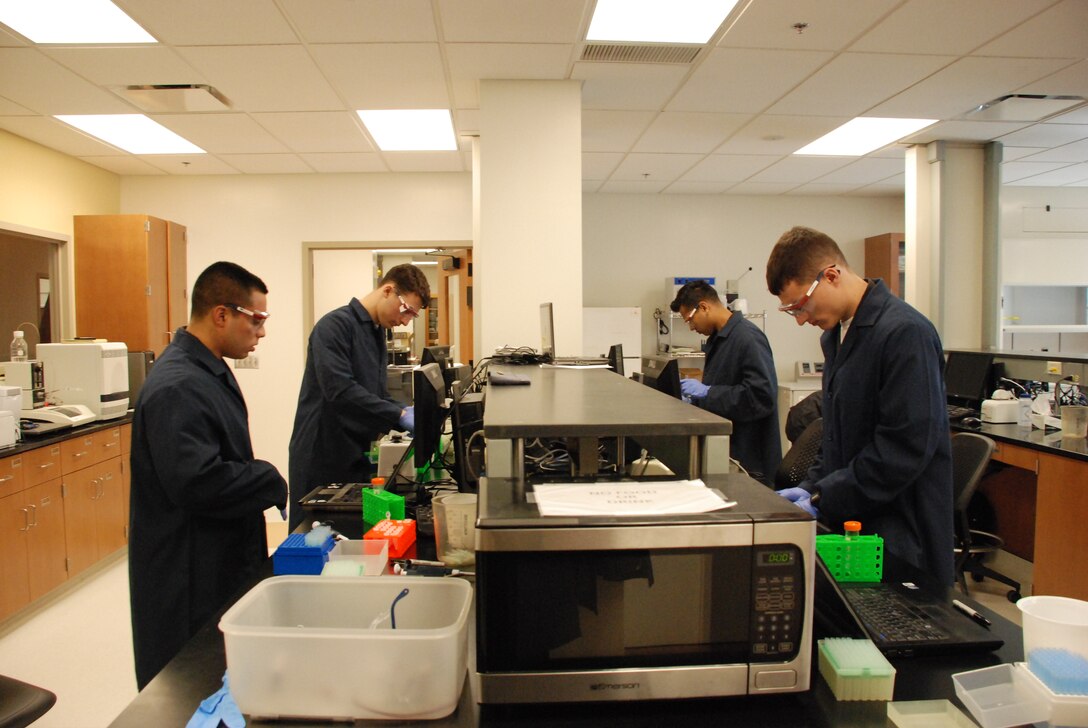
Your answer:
<point x="971" y="613"/>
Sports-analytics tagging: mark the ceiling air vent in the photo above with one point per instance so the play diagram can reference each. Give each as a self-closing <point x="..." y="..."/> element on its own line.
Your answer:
<point x="630" y="53"/>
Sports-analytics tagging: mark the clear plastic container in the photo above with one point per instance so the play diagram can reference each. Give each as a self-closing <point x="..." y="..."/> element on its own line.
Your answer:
<point x="304" y="647"/>
<point x="999" y="697"/>
<point x="371" y="554"/>
<point x="1054" y="623"/>
<point x="927" y="714"/>
<point x="455" y="528"/>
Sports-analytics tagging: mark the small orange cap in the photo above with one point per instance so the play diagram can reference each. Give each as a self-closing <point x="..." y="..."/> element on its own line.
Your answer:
<point x="379" y="481"/>
<point x="854" y="526"/>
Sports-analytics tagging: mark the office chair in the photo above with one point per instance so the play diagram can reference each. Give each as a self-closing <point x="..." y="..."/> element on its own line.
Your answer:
<point x="970" y="456"/>
<point x="800" y="457"/>
<point x="22" y="703"/>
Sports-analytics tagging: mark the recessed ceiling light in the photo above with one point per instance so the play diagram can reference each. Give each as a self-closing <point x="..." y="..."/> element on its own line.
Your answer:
<point x="862" y="135"/>
<point x="134" y="133"/>
<point x="71" y="21"/>
<point x="411" y="130"/>
<point x="658" y="21"/>
<point x="1024" y="107"/>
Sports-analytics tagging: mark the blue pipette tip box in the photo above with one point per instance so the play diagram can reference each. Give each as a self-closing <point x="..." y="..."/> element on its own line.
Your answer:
<point x="294" y="557"/>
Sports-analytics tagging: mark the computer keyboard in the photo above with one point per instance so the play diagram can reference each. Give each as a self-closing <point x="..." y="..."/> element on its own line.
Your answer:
<point x="958" y="413"/>
<point x="892" y="617"/>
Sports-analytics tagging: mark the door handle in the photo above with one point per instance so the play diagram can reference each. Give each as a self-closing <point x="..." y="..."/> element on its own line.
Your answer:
<point x="35" y="522"/>
<point x="26" y="521"/>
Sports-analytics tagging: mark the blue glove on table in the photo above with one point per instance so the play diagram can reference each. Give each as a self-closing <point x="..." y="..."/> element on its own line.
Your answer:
<point x="218" y="707"/>
<point x="693" y="388"/>
<point x="800" y="498"/>
<point x="408" y="419"/>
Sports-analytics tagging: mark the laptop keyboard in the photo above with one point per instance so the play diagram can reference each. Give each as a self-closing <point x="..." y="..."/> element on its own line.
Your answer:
<point x="958" y="413"/>
<point x="892" y="617"/>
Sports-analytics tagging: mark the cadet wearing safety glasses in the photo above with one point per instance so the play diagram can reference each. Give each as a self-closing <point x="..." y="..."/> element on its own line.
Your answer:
<point x="344" y="404"/>
<point x="885" y="458"/>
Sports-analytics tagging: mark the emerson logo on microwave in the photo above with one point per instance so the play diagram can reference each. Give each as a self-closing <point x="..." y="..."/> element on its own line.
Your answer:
<point x="615" y="686"/>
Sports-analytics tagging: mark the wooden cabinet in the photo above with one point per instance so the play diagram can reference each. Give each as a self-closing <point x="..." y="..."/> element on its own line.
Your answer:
<point x="93" y="509"/>
<point x="130" y="279"/>
<point x="884" y="259"/>
<point x="126" y="472"/>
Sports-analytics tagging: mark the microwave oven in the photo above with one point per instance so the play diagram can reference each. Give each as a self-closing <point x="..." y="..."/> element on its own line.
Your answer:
<point x="573" y="609"/>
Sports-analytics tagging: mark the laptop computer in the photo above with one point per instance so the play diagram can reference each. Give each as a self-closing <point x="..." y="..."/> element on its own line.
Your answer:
<point x="902" y="619"/>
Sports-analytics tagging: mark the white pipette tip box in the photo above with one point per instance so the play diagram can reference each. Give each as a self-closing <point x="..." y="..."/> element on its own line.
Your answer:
<point x="856" y="669"/>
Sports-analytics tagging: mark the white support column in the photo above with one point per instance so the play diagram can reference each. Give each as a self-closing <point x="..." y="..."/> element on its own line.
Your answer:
<point x="527" y="216"/>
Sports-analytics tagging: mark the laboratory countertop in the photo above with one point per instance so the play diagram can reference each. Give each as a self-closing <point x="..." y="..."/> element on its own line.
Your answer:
<point x="33" y="442"/>
<point x="1050" y="441"/>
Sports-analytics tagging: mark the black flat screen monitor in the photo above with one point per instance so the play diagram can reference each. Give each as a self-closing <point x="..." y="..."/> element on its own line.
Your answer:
<point x="662" y="373"/>
<point x="547" y="331"/>
<point x="615" y="358"/>
<point x="430" y="412"/>
<point x="967" y="377"/>
<point x="439" y="355"/>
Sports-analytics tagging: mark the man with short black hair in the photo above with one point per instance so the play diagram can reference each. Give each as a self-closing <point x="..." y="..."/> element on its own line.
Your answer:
<point x="739" y="380"/>
<point x="886" y="456"/>
<point x="344" y="403"/>
<point x="196" y="526"/>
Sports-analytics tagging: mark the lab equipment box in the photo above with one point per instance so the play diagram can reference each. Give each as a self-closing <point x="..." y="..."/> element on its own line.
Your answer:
<point x="325" y="647"/>
<point x="294" y="556"/>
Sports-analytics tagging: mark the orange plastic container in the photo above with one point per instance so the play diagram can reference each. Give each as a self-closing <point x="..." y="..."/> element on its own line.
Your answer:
<point x="401" y="535"/>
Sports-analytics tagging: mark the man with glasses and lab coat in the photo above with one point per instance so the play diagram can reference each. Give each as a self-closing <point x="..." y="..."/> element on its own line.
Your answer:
<point x="344" y="404"/>
<point x="885" y="458"/>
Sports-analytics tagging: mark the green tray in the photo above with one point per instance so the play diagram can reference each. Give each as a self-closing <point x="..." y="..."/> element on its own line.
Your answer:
<point x="859" y="558"/>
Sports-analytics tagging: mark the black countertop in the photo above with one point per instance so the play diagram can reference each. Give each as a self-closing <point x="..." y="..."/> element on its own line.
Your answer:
<point x="33" y="442"/>
<point x="1050" y="441"/>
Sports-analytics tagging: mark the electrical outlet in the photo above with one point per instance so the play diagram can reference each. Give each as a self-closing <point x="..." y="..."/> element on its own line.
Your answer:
<point x="1054" y="367"/>
<point x="250" y="362"/>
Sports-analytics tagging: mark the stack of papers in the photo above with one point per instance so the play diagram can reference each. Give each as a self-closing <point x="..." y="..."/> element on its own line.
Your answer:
<point x="628" y="499"/>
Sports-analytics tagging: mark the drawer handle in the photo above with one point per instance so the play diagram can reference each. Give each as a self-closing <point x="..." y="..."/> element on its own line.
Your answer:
<point x="6" y="478"/>
<point x="111" y="444"/>
<point x="46" y="465"/>
<point x="80" y="454"/>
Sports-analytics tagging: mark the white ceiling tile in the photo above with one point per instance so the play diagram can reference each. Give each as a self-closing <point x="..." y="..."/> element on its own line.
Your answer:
<point x="778" y="135"/>
<point x="946" y="26"/>
<point x="1058" y="32"/>
<point x="386" y="75"/>
<point x="9" y="39"/>
<point x="651" y="167"/>
<point x="591" y="185"/>
<point x="728" y="168"/>
<point x="881" y="189"/>
<point x="862" y="172"/>
<point x="613" y="131"/>
<point x="633" y="187"/>
<point x="339" y="162"/>
<point x="513" y="21"/>
<point x="222" y="133"/>
<point x="41" y="84"/>
<point x="894" y="151"/>
<point x="962" y="86"/>
<point x="128" y="65"/>
<point x="51" y="133"/>
<point x="815" y="189"/>
<point x="1013" y="171"/>
<point x="191" y="165"/>
<point x="1046" y="135"/>
<point x="683" y="187"/>
<point x="1011" y="154"/>
<point x="127" y="165"/>
<point x="1073" y="173"/>
<point x="1077" y="116"/>
<point x="853" y="83"/>
<point x="10" y="108"/>
<point x="598" y="165"/>
<point x="628" y="85"/>
<point x="266" y="163"/>
<point x="1069" y="81"/>
<point x="1068" y="153"/>
<point x="467" y="121"/>
<point x="831" y="25"/>
<point x="469" y="64"/>
<point x="798" y="170"/>
<point x="265" y="78"/>
<point x="317" y="131"/>
<point x="212" y="22"/>
<point x="965" y="131"/>
<point x="744" y="80"/>
<point x="675" y="132"/>
<point x="762" y="188"/>
<point x="424" y="161"/>
<point x="363" y="21"/>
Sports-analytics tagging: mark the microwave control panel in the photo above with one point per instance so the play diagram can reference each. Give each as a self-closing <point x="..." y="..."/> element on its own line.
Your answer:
<point x="778" y="603"/>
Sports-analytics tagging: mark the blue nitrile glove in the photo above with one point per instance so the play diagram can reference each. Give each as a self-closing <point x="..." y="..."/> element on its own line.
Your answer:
<point x="218" y="707"/>
<point x="693" y="388"/>
<point x="408" y="419"/>
<point x="800" y="498"/>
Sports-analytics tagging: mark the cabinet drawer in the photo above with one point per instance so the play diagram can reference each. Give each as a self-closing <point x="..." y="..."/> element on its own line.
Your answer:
<point x="126" y="439"/>
<point x="107" y="444"/>
<point x="12" y="475"/>
<point x="41" y="464"/>
<point x="1020" y="457"/>
<point x="77" y="453"/>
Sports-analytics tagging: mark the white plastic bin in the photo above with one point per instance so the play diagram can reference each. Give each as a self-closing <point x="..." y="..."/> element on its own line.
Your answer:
<point x="372" y="554"/>
<point x="302" y="647"/>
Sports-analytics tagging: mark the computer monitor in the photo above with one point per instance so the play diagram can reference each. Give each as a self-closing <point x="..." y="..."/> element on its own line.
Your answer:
<point x="615" y="358"/>
<point x="547" y="331"/>
<point x="967" y="377"/>
<point x="662" y="373"/>
<point x="439" y="355"/>
<point x="430" y="412"/>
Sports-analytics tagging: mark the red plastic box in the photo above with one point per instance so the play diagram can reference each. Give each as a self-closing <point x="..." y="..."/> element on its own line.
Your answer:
<point x="401" y="535"/>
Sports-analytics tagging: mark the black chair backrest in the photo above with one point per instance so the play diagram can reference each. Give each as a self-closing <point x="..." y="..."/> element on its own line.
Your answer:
<point x="970" y="455"/>
<point x="801" y="455"/>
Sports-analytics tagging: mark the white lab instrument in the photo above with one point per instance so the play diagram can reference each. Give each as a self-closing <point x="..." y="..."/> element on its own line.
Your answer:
<point x="93" y="374"/>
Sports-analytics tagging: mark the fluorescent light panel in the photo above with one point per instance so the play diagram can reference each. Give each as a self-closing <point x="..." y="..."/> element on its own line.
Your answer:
<point x="862" y="135"/>
<point x="411" y="130"/>
<point x="71" y="21"/>
<point x="658" y="21"/>
<point x="134" y="133"/>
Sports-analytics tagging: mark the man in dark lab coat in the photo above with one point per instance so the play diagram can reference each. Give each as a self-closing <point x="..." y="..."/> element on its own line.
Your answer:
<point x="886" y="456"/>
<point x="196" y="528"/>
<point x="739" y="381"/>
<point x="343" y="404"/>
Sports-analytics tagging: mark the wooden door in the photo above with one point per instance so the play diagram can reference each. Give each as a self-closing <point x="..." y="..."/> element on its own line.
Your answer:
<point x="80" y="490"/>
<point x="177" y="293"/>
<point x="455" y="303"/>
<point x="14" y="584"/>
<point x="109" y="508"/>
<point x="46" y="550"/>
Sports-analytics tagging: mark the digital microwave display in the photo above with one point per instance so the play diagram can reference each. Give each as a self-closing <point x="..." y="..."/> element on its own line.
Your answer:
<point x="779" y="557"/>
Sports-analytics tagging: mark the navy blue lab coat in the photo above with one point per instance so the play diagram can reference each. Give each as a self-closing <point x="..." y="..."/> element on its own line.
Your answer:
<point x="343" y="404"/>
<point x="744" y="388"/>
<point x="886" y="455"/>
<point x="196" y="524"/>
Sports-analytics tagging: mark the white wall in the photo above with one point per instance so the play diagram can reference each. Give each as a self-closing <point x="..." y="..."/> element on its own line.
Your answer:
<point x="633" y="242"/>
<point x="260" y="222"/>
<point x="1035" y="258"/>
